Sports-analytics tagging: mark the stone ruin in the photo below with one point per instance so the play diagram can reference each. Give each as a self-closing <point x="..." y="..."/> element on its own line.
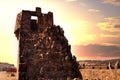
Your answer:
<point x="44" y="52"/>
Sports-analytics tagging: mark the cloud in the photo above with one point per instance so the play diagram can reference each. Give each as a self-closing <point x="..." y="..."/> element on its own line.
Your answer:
<point x="114" y="2"/>
<point x="96" y="50"/>
<point x="71" y="0"/>
<point x="108" y="39"/>
<point x="93" y="10"/>
<point x="110" y="24"/>
<point x="109" y="35"/>
<point x="117" y="26"/>
<point x="82" y="4"/>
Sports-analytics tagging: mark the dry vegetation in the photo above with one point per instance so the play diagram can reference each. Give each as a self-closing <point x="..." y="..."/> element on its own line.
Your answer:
<point x="88" y="74"/>
<point x="100" y="74"/>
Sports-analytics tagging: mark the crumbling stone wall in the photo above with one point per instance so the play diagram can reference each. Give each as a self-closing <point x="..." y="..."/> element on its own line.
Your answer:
<point x="44" y="52"/>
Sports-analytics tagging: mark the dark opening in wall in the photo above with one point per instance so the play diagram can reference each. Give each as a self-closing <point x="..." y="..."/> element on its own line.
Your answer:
<point x="34" y="21"/>
<point x="34" y="26"/>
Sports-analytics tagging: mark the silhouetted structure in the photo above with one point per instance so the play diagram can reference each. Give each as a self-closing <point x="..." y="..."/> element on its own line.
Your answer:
<point x="44" y="52"/>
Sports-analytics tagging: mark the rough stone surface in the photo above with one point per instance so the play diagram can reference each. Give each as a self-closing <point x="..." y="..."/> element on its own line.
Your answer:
<point x="44" y="52"/>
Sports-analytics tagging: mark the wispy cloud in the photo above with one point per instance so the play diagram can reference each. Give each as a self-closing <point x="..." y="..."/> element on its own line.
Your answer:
<point x="109" y="35"/>
<point x="93" y="10"/>
<point x="111" y="24"/>
<point x="71" y="0"/>
<point x="82" y="4"/>
<point x="114" y="2"/>
<point x="96" y="50"/>
<point x="117" y="26"/>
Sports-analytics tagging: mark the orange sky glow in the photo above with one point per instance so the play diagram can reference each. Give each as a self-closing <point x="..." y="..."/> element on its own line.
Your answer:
<point x="91" y="27"/>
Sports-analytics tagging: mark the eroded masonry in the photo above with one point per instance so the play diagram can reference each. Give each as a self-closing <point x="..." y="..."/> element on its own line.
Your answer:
<point x="44" y="52"/>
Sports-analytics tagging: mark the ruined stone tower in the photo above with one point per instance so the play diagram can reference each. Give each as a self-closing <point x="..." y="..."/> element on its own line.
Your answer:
<point x="44" y="52"/>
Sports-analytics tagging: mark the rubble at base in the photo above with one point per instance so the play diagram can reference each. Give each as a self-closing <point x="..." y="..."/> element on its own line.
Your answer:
<point x="44" y="52"/>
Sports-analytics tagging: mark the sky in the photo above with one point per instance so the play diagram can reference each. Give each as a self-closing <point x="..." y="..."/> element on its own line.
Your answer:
<point x="92" y="27"/>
